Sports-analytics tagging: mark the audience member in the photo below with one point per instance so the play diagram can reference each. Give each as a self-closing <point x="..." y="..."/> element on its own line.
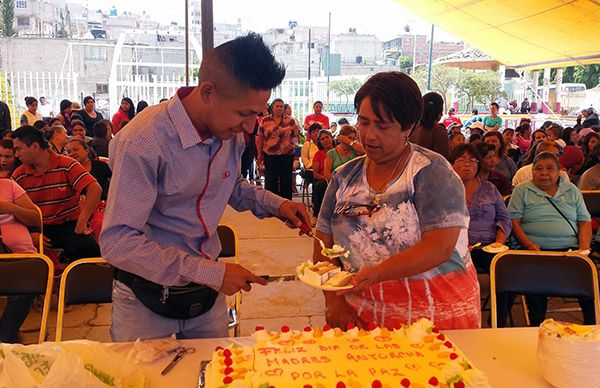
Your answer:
<point x="487" y="168"/>
<point x="325" y="143"/>
<point x="493" y="122"/>
<point x="65" y="115"/>
<point x="476" y="128"/>
<point x="572" y="157"/>
<point x="17" y="212"/>
<point x="5" y="121"/>
<point x="80" y="151"/>
<point x="316" y="117"/>
<point x="310" y="148"/>
<point x="8" y="161"/>
<point x="41" y="125"/>
<point x="590" y="180"/>
<point x="548" y="213"/>
<point x="523" y="138"/>
<point x="587" y="145"/>
<point x="57" y="139"/>
<point x="475" y="138"/>
<point x="451" y="119"/>
<point x="55" y="182"/>
<point x="31" y="115"/>
<point x="277" y="139"/>
<point x="141" y="105"/>
<point x="78" y="131"/>
<point x="525" y="173"/>
<point x="126" y="112"/>
<point x="489" y="221"/>
<point x="506" y="166"/>
<point x="348" y="148"/>
<point x="100" y="141"/>
<point x="429" y="133"/>
<point x="89" y="115"/>
<point x="455" y="140"/>
<point x="474" y="118"/>
<point x="44" y="108"/>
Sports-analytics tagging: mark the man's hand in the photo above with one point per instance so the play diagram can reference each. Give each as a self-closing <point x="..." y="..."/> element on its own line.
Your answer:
<point x="82" y="228"/>
<point x="294" y="214"/>
<point x="238" y="278"/>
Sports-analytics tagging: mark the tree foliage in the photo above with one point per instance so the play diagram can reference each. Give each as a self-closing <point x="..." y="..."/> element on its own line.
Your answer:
<point x="345" y="87"/>
<point x="405" y="62"/>
<point x="588" y="75"/>
<point x="479" y="87"/>
<point x="8" y="17"/>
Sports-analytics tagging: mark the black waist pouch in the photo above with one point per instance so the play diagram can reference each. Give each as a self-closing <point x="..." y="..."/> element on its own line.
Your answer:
<point x="184" y="302"/>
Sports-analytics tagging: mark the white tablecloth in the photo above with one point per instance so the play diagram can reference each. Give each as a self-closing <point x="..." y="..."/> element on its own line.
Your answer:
<point x="507" y="356"/>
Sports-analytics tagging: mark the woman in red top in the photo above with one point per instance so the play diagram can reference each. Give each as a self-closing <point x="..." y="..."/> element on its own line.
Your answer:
<point x="325" y="143"/>
<point x="125" y="112"/>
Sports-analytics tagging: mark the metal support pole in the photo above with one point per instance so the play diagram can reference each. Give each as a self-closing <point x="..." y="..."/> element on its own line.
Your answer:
<point x="328" y="57"/>
<point x="430" y="59"/>
<point x="187" y="44"/>
<point x="207" y="25"/>
<point x="309" y="44"/>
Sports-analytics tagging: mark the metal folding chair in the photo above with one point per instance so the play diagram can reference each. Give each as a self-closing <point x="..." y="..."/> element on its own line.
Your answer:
<point x="546" y="273"/>
<point x="229" y="249"/>
<point x="28" y="274"/>
<point x="83" y="281"/>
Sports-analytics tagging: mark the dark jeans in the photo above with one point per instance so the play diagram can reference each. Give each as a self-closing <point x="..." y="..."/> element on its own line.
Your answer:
<point x="318" y="193"/>
<point x="278" y="174"/>
<point x="482" y="260"/>
<point x="76" y="246"/>
<point x="248" y="164"/>
<point x="537" y="306"/>
<point x="14" y="315"/>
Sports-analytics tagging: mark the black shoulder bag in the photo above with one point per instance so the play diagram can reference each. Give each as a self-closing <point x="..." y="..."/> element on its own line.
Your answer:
<point x="563" y="216"/>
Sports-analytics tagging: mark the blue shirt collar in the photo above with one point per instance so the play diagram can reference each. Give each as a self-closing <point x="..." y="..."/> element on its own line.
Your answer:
<point x="188" y="134"/>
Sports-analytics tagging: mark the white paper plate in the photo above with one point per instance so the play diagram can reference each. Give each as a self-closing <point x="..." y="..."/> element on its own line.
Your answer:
<point x="491" y="249"/>
<point x="324" y="287"/>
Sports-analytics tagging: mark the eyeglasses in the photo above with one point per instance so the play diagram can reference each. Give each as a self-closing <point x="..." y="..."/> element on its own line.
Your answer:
<point x="357" y="210"/>
<point x="465" y="161"/>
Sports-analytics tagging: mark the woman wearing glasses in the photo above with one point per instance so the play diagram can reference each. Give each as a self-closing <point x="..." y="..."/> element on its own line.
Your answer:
<point x="489" y="220"/>
<point x="401" y="212"/>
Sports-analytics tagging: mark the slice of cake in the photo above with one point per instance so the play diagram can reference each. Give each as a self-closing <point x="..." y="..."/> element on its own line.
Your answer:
<point x="569" y="354"/>
<point x="341" y="279"/>
<point x="416" y="356"/>
<point x="321" y="272"/>
<point x="335" y="251"/>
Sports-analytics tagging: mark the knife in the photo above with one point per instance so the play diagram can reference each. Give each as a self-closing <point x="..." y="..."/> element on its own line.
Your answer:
<point x="279" y="278"/>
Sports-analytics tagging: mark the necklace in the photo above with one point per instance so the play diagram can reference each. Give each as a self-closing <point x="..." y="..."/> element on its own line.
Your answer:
<point x="381" y="189"/>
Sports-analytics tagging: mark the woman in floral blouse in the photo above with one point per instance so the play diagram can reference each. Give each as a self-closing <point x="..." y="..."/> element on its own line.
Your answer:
<point x="401" y="212"/>
<point x="277" y="140"/>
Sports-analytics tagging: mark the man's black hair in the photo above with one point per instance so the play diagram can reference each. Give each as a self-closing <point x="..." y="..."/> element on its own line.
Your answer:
<point x="250" y="62"/>
<point x="29" y="135"/>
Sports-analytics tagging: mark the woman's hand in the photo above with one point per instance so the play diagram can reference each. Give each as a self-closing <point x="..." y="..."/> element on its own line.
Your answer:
<point x="338" y="313"/>
<point x="345" y="140"/>
<point x="363" y="280"/>
<point x="533" y="247"/>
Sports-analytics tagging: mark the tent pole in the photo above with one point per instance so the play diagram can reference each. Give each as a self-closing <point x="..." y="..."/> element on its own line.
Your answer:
<point x="430" y="59"/>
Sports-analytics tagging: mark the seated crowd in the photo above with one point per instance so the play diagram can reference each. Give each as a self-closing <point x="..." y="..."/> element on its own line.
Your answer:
<point x="58" y="164"/>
